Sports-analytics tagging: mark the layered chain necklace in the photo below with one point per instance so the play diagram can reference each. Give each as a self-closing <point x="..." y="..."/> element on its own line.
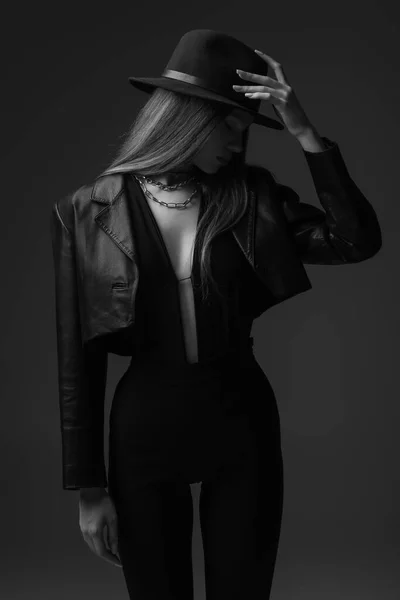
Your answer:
<point x="179" y="205"/>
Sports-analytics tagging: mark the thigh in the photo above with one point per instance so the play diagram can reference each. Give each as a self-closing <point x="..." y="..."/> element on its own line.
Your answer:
<point x="155" y="524"/>
<point x="241" y="510"/>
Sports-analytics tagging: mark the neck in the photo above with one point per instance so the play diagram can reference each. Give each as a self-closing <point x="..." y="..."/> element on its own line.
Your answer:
<point x="175" y="176"/>
<point x="171" y="178"/>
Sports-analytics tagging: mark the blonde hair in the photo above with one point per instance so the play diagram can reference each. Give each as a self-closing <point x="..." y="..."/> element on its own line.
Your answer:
<point x="166" y="135"/>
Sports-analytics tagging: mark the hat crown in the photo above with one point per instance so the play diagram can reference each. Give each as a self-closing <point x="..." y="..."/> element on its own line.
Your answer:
<point x="214" y="56"/>
<point x="204" y="64"/>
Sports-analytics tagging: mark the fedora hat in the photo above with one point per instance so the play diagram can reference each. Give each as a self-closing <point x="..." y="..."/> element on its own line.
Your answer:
<point x="204" y="64"/>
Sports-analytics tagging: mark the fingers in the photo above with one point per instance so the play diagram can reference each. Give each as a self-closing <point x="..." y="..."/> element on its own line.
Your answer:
<point x="101" y="550"/>
<point x="98" y="525"/>
<point x="111" y="534"/>
<point x="277" y="67"/>
<point x="88" y="539"/>
<point x="259" y="78"/>
<point x="95" y="541"/>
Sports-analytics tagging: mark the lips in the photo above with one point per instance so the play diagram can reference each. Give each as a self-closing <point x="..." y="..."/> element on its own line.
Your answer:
<point x="223" y="160"/>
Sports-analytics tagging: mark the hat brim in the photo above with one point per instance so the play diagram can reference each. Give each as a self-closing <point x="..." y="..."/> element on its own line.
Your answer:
<point x="148" y="84"/>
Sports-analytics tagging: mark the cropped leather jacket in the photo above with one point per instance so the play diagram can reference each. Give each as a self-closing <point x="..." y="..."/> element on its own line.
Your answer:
<point x="97" y="276"/>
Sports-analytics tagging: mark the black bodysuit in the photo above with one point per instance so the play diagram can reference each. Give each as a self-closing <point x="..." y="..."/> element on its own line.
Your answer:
<point x="174" y="423"/>
<point x="223" y="323"/>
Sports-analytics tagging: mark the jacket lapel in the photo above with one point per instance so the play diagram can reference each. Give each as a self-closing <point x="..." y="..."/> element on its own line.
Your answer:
<point x="261" y="234"/>
<point x="116" y="220"/>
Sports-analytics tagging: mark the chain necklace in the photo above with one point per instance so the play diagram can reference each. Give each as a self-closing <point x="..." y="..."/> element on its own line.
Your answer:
<point x="179" y="205"/>
<point x="169" y="188"/>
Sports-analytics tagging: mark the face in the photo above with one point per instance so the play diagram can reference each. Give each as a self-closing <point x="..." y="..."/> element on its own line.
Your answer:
<point x="224" y="140"/>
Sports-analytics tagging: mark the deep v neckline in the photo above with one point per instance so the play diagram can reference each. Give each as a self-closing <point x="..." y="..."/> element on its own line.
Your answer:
<point x="161" y="237"/>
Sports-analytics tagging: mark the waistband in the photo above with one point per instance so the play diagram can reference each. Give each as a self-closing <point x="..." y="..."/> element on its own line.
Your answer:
<point x="241" y="356"/>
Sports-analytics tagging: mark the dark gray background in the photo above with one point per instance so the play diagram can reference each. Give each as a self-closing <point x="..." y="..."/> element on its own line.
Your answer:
<point x="331" y="354"/>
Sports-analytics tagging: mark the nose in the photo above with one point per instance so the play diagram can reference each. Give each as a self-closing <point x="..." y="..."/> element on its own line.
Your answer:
<point x="235" y="147"/>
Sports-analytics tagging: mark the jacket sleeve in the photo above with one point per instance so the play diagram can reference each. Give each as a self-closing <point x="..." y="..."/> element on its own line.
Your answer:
<point x="82" y="371"/>
<point x="348" y="231"/>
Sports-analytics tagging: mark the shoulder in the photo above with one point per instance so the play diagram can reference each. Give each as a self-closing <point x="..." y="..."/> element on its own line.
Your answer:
<point x="86" y="199"/>
<point x="257" y="175"/>
<point x="65" y="207"/>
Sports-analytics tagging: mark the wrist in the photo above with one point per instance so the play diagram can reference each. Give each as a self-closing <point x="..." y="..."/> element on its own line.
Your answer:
<point x="310" y="140"/>
<point x="92" y="492"/>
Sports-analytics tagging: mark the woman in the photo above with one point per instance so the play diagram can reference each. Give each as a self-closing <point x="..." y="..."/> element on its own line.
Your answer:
<point x="169" y="257"/>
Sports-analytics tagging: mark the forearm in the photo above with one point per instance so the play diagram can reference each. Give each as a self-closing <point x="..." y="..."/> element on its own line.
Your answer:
<point x="311" y="141"/>
<point x="349" y="231"/>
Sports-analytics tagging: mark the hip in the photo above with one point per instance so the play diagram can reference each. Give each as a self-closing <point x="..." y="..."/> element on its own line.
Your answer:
<point x="194" y="393"/>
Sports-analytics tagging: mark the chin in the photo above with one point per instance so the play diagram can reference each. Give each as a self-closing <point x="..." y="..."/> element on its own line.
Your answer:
<point x="214" y="167"/>
<point x="205" y="171"/>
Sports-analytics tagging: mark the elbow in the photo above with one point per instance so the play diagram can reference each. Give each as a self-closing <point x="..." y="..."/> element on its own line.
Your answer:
<point x="374" y="242"/>
<point x="369" y="247"/>
<point x="371" y="238"/>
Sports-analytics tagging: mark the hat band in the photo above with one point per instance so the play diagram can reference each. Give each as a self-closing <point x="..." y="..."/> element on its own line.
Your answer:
<point x="203" y="83"/>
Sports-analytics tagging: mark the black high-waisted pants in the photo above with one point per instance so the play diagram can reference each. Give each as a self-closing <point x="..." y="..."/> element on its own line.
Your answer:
<point x="217" y="423"/>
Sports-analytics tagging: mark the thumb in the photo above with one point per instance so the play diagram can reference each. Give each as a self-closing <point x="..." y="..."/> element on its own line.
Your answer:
<point x="278" y="114"/>
<point x="112" y="535"/>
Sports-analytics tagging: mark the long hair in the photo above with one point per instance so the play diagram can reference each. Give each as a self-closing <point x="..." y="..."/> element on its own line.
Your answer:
<point x="165" y="136"/>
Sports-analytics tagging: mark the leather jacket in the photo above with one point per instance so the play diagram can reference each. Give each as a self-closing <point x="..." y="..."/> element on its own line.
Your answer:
<point x="96" y="279"/>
